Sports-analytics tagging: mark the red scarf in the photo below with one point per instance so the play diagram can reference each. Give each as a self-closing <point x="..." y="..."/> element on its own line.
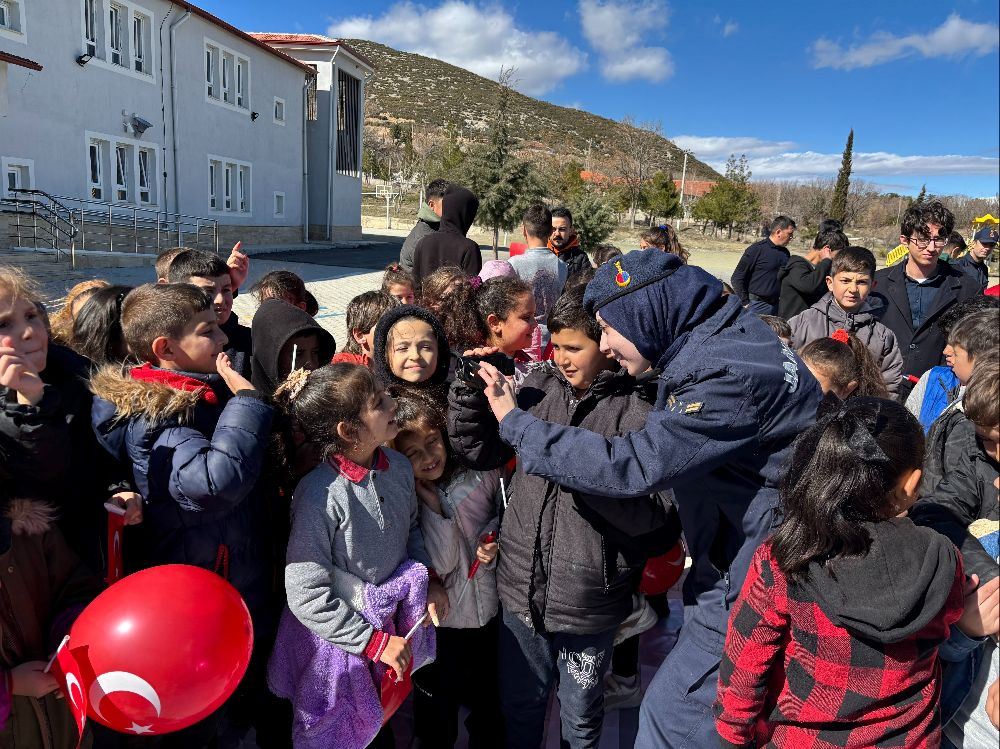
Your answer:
<point x="148" y="373"/>
<point x="574" y="242"/>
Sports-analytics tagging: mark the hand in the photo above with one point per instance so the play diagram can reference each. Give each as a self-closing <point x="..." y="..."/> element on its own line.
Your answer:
<point x="499" y="391"/>
<point x="233" y="379"/>
<point x="397" y="656"/>
<point x="18" y="374"/>
<point x="437" y="603"/>
<point x="481" y="351"/>
<point x="993" y="704"/>
<point x="239" y="266"/>
<point x="30" y="680"/>
<point x="486" y="553"/>
<point x="132" y="502"/>
<point x="825" y="254"/>
<point x="427" y="493"/>
<point x="981" y="616"/>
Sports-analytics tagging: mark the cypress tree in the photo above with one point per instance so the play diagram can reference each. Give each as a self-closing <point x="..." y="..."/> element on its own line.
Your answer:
<point x="838" y="206"/>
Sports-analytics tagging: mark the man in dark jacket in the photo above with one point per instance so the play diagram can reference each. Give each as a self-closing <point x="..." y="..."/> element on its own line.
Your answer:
<point x="566" y="244"/>
<point x="974" y="261"/>
<point x="755" y="279"/>
<point x="803" y="279"/>
<point x="428" y="220"/>
<point x="569" y="562"/>
<point x="917" y="291"/>
<point x="732" y="398"/>
<point x="449" y="245"/>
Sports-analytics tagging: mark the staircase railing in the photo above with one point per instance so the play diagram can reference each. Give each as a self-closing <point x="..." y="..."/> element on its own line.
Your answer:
<point x="41" y="218"/>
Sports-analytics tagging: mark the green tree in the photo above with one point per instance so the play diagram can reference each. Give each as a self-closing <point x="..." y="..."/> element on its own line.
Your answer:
<point x="504" y="184"/>
<point x="838" y="205"/>
<point x="660" y="197"/>
<point x="568" y="182"/>
<point x="923" y="194"/>
<point x="593" y="218"/>
<point x="730" y="203"/>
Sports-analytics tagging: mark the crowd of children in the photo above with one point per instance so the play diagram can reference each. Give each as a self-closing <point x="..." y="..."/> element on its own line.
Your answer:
<point x="468" y="488"/>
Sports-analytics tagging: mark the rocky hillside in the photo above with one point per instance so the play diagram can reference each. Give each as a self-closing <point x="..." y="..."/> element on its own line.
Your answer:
<point x="429" y="93"/>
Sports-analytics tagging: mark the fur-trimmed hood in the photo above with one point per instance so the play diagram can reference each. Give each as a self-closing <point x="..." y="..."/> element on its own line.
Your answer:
<point x="148" y="399"/>
<point x="30" y="517"/>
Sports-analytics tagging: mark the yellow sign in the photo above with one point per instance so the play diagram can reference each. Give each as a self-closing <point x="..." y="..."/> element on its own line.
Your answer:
<point x="988" y="218"/>
<point x="897" y="254"/>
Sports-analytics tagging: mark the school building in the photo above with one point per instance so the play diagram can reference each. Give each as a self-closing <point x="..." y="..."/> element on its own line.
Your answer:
<point x="131" y="125"/>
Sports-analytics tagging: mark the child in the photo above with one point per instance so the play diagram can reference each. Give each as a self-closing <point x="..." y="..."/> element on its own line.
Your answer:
<point x="450" y="294"/>
<point x="45" y="411"/>
<point x="663" y="237"/>
<point x="195" y="432"/>
<point x="363" y="313"/>
<point x="97" y="329"/>
<point x="411" y="349"/>
<point x="61" y="322"/>
<point x="834" y="637"/>
<point x="938" y="387"/>
<point x="494" y="268"/>
<point x="47" y="588"/>
<point x="209" y="272"/>
<point x="568" y="564"/>
<point x="283" y="335"/>
<point x="604" y="253"/>
<point x="281" y="284"/>
<point x="457" y="509"/>
<point x="847" y="306"/>
<point x="163" y="262"/>
<point x="780" y="328"/>
<point x="843" y="366"/>
<point x="449" y="244"/>
<point x="352" y="590"/>
<point x="506" y="312"/>
<point x="398" y="283"/>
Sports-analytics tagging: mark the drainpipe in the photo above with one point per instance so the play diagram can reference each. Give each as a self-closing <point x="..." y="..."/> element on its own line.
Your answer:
<point x="305" y="160"/>
<point x="332" y="143"/>
<point x="173" y="107"/>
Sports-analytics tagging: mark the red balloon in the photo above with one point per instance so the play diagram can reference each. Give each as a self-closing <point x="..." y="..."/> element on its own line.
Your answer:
<point x="161" y="649"/>
<point x="662" y="572"/>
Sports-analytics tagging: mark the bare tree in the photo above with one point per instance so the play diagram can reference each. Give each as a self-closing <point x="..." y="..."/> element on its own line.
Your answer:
<point x="635" y="157"/>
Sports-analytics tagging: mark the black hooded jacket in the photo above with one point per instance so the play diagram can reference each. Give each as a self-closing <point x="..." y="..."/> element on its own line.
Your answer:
<point x="449" y="245"/>
<point x="275" y="322"/>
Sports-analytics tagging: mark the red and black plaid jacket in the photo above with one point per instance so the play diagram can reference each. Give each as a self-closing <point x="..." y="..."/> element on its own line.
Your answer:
<point x="790" y="677"/>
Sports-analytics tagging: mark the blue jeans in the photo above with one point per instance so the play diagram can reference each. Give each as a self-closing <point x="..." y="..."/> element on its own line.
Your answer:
<point x="530" y="661"/>
<point x="760" y="307"/>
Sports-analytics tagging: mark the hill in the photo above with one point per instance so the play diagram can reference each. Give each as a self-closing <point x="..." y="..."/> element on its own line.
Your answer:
<point x="429" y="93"/>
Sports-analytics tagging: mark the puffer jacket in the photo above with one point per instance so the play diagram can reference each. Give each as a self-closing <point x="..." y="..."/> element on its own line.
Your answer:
<point x="568" y="562"/>
<point x="43" y="587"/>
<point x="826" y="316"/>
<point x="470" y="511"/>
<point x="196" y="456"/>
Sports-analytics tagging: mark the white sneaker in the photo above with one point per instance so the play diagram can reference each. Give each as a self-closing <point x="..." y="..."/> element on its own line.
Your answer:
<point x="621" y="692"/>
<point x="641" y="619"/>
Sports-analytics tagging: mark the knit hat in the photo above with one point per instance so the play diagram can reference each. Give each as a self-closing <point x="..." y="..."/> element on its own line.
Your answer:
<point x="654" y="300"/>
<point x="380" y="359"/>
<point x="494" y="268"/>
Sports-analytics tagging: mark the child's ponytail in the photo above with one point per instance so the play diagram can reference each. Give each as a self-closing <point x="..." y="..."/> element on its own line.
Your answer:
<point x="848" y="365"/>
<point x="840" y="475"/>
<point x="450" y="294"/>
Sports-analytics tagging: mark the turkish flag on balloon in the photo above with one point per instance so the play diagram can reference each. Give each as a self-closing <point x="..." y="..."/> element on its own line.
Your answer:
<point x="66" y="671"/>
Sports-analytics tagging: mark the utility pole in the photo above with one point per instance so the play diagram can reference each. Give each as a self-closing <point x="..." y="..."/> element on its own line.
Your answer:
<point x="590" y="142"/>
<point x="684" y="170"/>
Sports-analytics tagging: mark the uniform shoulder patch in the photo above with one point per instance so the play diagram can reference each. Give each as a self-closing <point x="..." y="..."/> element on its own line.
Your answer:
<point x="677" y="406"/>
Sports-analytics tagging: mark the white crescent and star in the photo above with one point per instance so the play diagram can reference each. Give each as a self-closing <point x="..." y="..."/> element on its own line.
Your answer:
<point x="72" y="681"/>
<point x="123" y="681"/>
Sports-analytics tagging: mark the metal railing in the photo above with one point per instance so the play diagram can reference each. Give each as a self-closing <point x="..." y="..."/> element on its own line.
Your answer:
<point x="118" y="227"/>
<point x="40" y="218"/>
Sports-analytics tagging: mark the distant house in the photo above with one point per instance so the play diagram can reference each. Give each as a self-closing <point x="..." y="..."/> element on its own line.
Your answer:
<point x="693" y="189"/>
<point x="150" y="117"/>
<point x="334" y="133"/>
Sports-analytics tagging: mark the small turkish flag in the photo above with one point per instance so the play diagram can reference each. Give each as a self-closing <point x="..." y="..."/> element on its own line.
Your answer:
<point x="116" y="530"/>
<point x="67" y="672"/>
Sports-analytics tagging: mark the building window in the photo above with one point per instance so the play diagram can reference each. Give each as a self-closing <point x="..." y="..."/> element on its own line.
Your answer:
<point x="213" y="176"/>
<point x="90" y="26"/>
<point x="348" y="124"/>
<point x="312" y="109"/>
<point x="244" y="189"/>
<point x="279" y="205"/>
<point x="6" y="17"/>
<point x="139" y="25"/>
<point x="228" y="188"/>
<point x="144" y="184"/>
<point x="211" y="55"/>
<point x="12" y="20"/>
<point x="227" y="78"/>
<point x="279" y="110"/>
<point x="241" y="72"/>
<point x="115" y="35"/>
<point x="18" y="174"/>
<point x="95" y="160"/>
<point x="121" y="173"/>
<point x="231" y="179"/>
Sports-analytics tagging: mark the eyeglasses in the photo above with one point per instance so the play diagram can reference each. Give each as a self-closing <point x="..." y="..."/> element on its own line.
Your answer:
<point x="922" y="243"/>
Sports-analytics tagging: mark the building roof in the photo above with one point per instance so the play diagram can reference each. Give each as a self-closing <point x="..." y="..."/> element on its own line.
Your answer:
<point x="695" y="187"/>
<point x="309" y="40"/>
<point x="23" y="62"/>
<point x="244" y="35"/>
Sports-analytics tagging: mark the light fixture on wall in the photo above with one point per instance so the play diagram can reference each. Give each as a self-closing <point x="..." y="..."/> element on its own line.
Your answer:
<point x="254" y="116"/>
<point x="84" y="59"/>
<point x="139" y="125"/>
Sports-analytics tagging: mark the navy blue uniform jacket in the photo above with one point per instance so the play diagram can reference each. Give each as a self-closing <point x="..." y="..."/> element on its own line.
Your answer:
<point x="729" y="405"/>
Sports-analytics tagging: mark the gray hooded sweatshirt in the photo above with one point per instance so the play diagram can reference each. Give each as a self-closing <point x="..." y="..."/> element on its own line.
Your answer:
<point x="826" y="316"/>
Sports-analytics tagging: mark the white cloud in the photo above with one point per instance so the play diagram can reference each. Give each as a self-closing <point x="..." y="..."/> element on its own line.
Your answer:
<point x="956" y="37"/>
<point x="783" y="160"/>
<point x="730" y="28"/>
<point x="617" y="32"/>
<point x="479" y="39"/>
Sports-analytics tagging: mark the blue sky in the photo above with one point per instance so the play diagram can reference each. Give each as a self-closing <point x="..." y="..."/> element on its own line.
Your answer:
<point x="780" y="81"/>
